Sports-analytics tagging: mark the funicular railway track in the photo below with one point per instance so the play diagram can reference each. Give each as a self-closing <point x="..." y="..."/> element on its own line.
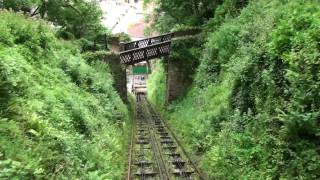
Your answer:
<point x="155" y="152"/>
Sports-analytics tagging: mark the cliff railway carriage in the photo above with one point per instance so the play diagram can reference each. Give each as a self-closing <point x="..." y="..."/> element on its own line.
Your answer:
<point x="140" y="73"/>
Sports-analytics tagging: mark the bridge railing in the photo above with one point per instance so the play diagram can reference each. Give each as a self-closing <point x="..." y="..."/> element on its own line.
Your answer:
<point x="146" y="42"/>
<point x="150" y="48"/>
<point x="137" y="55"/>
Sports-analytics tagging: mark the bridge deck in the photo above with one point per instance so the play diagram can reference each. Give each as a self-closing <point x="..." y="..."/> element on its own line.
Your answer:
<point x="145" y="49"/>
<point x="134" y="56"/>
<point x="151" y="48"/>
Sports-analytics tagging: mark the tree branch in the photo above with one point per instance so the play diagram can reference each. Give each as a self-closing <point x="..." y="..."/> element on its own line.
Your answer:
<point x="35" y="12"/>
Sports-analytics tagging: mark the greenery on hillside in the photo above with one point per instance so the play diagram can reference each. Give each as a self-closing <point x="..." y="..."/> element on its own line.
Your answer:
<point x="256" y="92"/>
<point x="157" y="85"/>
<point x="178" y="14"/>
<point x="75" y="19"/>
<point x="60" y="117"/>
<point x="251" y="111"/>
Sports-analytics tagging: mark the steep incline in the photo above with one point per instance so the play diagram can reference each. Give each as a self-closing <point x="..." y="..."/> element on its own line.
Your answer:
<point x="60" y="117"/>
<point x="252" y="110"/>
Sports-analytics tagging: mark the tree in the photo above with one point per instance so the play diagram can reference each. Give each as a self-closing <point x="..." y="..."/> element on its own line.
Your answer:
<point x="18" y="5"/>
<point x="77" y="19"/>
<point x="170" y="13"/>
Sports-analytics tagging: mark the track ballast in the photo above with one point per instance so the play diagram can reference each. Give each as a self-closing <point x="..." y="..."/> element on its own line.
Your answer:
<point x="155" y="152"/>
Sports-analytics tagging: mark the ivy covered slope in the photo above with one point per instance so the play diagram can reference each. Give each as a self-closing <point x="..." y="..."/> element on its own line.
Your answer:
<point x="256" y="93"/>
<point x="59" y="115"/>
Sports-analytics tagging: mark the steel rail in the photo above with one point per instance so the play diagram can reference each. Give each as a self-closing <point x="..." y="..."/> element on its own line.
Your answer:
<point x="130" y="152"/>
<point x="158" y="144"/>
<point x="157" y="154"/>
<point x="178" y="142"/>
<point x="180" y="165"/>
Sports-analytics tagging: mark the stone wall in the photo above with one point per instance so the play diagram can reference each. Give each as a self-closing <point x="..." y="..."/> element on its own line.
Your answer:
<point x="118" y="72"/>
<point x="181" y="65"/>
<point x="177" y="81"/>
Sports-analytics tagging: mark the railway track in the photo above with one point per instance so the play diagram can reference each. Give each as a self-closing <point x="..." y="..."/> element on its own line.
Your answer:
<point x="155" y="152"/>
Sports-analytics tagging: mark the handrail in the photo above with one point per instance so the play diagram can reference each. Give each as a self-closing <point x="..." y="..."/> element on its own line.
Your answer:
<point x="142" y="54"/>
<point x="124" y="43"/>
<point x="145" y="42"/>
<point x="150" y="46"/>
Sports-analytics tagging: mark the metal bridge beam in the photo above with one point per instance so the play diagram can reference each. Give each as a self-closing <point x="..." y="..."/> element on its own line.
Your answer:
<point x="134" y="56"/>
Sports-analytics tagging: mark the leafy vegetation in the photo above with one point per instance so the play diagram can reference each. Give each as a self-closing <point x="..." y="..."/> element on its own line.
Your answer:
<point x="76" y="19"/>
<point x="252" y="109"/>
<point x="59" y="114"/>
<point x="157" y="86"/>
<point x="256" y="92"/>
<point x="178" y="14"/>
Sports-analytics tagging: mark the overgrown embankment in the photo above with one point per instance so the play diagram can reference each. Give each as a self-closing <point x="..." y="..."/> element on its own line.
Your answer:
<point x="59" y="114"/>
<point x="253" y="110"/>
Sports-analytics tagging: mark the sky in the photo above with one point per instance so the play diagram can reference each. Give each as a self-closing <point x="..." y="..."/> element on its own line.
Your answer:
<point x="120" y="16"/>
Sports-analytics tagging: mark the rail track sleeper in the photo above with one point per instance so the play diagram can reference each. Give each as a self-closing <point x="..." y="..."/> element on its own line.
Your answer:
<point x="185" y="174"/>
<point x="156" y="153"/>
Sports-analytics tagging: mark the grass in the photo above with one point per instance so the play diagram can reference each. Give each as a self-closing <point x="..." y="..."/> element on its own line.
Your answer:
<point x="251" y="111"/>
<point x="59" y="114"/>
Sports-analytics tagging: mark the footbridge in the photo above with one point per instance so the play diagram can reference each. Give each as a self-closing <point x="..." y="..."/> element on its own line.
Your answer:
<point x="150" y="48"/>
<point x="157" y="47"/>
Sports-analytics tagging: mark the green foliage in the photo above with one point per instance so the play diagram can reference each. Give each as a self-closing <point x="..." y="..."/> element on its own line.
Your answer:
<point x="228" y="10"/>
<point x="256" y="93"/>
<point x="59" y="115"/>
<point x="81" y="18"/>
<point x="157" y="86"/>
<point x="215" y="56"/>
<point x="76" y="19"/>
<point x="18" y="5"/>
<point x="170" y="14"/>
<point x="185" y="52"/>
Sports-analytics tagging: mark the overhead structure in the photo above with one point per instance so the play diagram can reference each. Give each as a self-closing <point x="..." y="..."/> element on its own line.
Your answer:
<point x="145" y="49"/>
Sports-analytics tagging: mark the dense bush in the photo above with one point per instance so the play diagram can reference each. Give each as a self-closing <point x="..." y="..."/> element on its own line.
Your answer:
<point x="256" y="93"/>
<point x="18" y="5"/>
<point x="157" y="85"/>
<point x="74" y="19"/>
<point x="173" y="14"/>
<point x="59" y="116"/>
<point x="184" y="54"/>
